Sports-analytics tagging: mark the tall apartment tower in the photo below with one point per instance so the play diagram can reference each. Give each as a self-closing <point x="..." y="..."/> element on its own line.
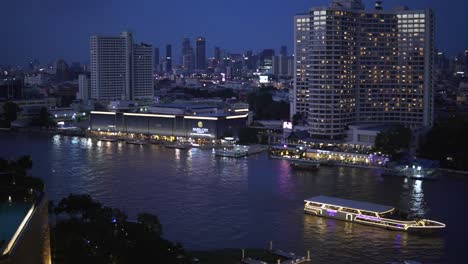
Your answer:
<point x="201" y="53"/>
<point x="168" y="63"/>
<point x="156" y="58"/>
<point x="83" y="88"/>
<point x="363" y="66"/>
<point x="187" y="55"/>
<point x="120" y="69"/>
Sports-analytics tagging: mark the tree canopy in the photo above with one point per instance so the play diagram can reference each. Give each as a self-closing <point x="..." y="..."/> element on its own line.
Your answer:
<point x="89" y="232"/>
<point x="265" y="108"/>
<point x="10" y="112"/>
<point x="394" y="141"/>
<point x="447" y="142"/>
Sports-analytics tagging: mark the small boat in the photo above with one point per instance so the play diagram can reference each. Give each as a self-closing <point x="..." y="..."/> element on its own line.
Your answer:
<point x="230" y="153"/>
<point x="136" y="142"/>
<point x="305" y="165"/>
<point x="382" y="216"/>
<point x="106" y="139"/>
<point x="177" y="146"/>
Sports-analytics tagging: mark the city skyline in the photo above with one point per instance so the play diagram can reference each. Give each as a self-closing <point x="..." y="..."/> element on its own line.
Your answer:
<point x="212" y="22"/>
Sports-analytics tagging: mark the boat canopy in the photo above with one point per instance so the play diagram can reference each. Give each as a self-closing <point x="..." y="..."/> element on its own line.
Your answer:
<point x="365" y="206"/>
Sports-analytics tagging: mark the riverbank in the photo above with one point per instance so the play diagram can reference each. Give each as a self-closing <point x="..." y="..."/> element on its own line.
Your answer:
<point x="231" y="256"/>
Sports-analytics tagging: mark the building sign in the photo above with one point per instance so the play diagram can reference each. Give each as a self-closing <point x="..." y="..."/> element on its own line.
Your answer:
<point x="288" y="125"/>
<point x="200" y="130"/>
<point x="264" y="79"/>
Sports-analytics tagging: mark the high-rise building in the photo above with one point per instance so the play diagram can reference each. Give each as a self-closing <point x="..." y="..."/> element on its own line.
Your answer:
<point x="156" y="58"/>
<point x="284" y="51"/>
<point x="266" y="61"/>
<point x="363" y="66"/>
<point x="120" y="69"/>
<point x="187" y="54"/>
<point x="201" y="53"/>
<point x="217" y="54"/>
<point x="84" y="89"/>
<point x="168" y="62"/>
<point x="142" y="75"/>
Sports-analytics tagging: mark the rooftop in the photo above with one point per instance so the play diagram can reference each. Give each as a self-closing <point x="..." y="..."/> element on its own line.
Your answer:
<point x="365" y="206"/>
<point x="12" y="219"/>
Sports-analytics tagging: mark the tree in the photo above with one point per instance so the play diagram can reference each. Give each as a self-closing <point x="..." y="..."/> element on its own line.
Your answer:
<point x="248" y="135"/>
<point x="10" y="112"/>
<point x="44" y="119"/>
<point x="150" y="222"/>
<point x="106" y="236"/>
<point x="265" y="108"/>
<point x="394" y="141"/>
<point x="15" y="178"/>
<point x="297" y="117"/>
<point x="448" y="143"/>
<point x="74" y="205"/>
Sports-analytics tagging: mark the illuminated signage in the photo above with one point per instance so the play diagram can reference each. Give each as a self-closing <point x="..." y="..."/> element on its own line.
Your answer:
<point x="264" y="79"/>
<point x="200" y="130"/>
<point x="287" y="125"/>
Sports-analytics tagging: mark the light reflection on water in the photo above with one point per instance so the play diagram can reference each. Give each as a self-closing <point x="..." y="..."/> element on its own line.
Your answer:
<point x="210" y="202"/>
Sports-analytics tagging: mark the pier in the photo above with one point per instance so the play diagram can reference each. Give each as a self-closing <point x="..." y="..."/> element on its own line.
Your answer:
<point x="284" y="257"/>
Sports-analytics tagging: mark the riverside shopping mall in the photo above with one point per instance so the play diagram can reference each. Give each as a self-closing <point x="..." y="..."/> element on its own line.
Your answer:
<point x="202" y="129"/>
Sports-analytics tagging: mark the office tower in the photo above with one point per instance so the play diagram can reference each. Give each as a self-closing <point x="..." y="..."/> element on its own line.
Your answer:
<point x="266" y="61"/>
<point x="118" y="67"/>
<point x="168" y="64"/>
<point x="217" y="54"/>
<point x="156" y="58"/>
<point x="142" y="75"/>
<point x="84" y="89"/>
<point x="187" y="54"/>
<point x="201" y="53"/>
<point x="284" y="51"/>
<point x="363" y="66"/>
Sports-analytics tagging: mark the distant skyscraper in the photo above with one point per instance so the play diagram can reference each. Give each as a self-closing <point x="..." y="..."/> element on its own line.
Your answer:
<point x="168" y="65"/>
<point x="84" y="89"/>
<point x="201" y="54"/>
<point x="284" y="51"/>
<point x="120" y="69"/>
<point x="156" y="58"/>
<point x="358" y="66"/>
<point x="266" y="61"/>
<point x="217" y="54"/>
<point x="187" y="54"/>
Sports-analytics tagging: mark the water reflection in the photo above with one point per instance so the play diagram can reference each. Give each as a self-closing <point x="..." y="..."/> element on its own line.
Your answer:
<point x="208" y="202"/>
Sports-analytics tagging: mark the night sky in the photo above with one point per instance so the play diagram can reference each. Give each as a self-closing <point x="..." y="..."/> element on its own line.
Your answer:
<point x="50" y="29"/>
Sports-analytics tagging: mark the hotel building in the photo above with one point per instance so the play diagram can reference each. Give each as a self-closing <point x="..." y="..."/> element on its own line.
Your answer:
<point x="121" y="69"/>
<point x="355" y="66"/>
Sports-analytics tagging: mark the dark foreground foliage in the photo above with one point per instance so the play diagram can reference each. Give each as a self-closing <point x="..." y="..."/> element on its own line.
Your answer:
<point x="88" y="232"/>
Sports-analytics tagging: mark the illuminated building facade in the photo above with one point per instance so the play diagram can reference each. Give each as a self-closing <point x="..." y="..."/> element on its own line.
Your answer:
<point x="363" y="66"/>
<point x="172" y="122"/>
<point x="121" y="69"/>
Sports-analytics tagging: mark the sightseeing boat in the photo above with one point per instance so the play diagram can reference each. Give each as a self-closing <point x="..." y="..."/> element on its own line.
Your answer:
<point x="368" y="214"/>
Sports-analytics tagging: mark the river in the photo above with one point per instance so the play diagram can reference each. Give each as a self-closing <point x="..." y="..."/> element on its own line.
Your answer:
<point x="207" y="202"/>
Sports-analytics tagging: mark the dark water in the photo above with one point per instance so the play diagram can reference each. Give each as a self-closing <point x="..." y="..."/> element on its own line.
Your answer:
<point x="207" y="202"/>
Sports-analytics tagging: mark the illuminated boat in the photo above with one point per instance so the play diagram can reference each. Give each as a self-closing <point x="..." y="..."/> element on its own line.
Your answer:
<point x="368" y="214"/>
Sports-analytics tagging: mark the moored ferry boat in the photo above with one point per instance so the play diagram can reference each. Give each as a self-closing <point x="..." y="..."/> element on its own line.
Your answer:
<point x="305" y="165"/>
<point x="368" y="214"/>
